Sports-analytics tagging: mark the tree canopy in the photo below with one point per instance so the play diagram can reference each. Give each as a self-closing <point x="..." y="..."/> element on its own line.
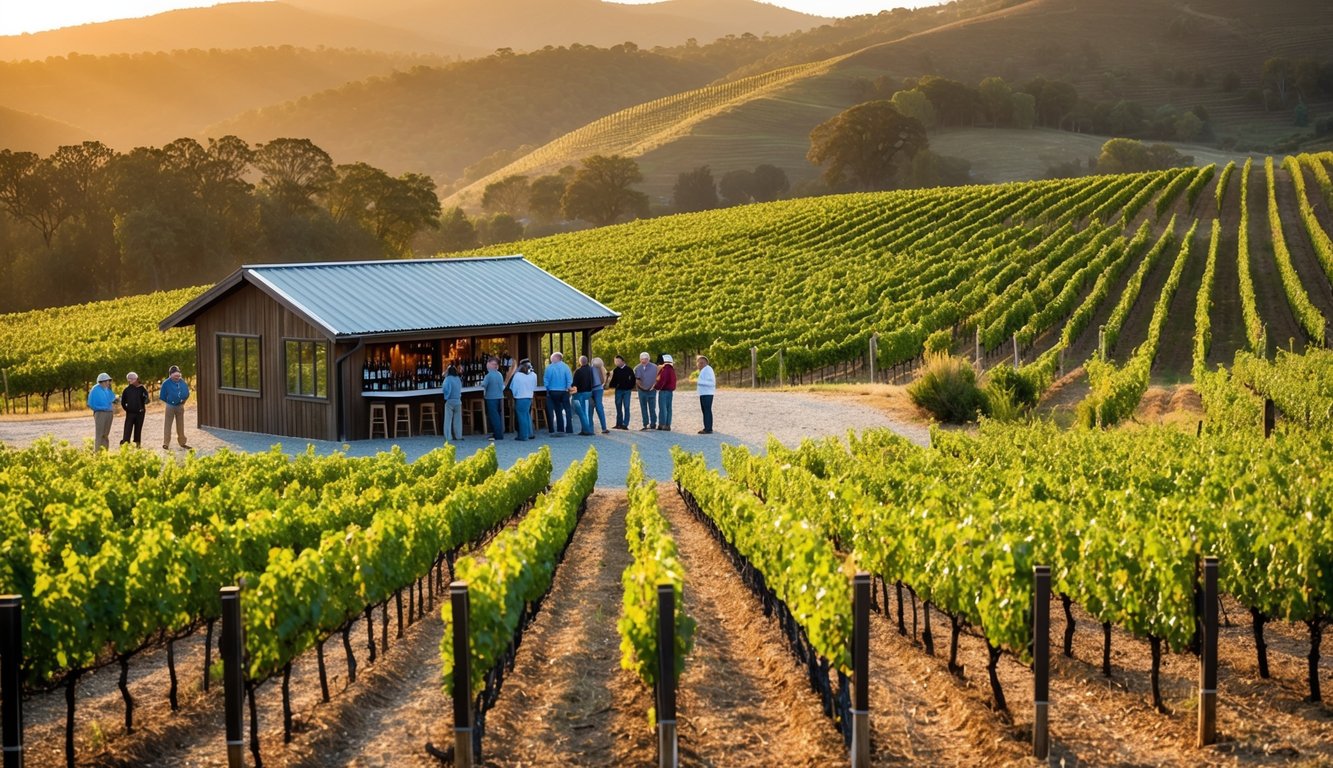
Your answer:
<point x="600" y="192"/>
<point x="866" y="142"/>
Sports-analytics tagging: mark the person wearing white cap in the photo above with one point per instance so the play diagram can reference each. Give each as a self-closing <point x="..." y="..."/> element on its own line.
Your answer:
<point x="134" y="401"/>
<point x="101" y="400"/>
<point x="666" y="391"/>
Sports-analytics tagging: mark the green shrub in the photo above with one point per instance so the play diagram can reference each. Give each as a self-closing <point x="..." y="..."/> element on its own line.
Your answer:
<point x="948" y="389"/>
<point x="1021" y="391"/>
<point x="1000" y="404"/>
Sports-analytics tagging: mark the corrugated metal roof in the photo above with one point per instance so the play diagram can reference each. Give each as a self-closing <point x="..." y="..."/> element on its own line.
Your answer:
<point x="374" y="297"/>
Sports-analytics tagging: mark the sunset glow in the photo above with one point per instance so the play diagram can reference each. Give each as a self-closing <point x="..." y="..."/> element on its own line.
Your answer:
<point x="19" y="18"/>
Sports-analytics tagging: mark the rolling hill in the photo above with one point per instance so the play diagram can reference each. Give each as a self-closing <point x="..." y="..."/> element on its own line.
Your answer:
<point x="534" y="24"/>
<point x="464" y="28"/>
<point x="128" y="100"/>
<point x="1027" y="40"/>
<point x="231" y="25"/>
<point x="23" y="132"/>
<point x="440" y="120"/>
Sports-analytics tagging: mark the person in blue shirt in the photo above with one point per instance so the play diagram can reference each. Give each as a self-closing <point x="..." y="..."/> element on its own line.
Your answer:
<point x="453" y="405"/>
<point x="102" y="400"/>
<point x="557" y="378"/>
<point x="493" y="390"/>
<point x="174" y="393"/>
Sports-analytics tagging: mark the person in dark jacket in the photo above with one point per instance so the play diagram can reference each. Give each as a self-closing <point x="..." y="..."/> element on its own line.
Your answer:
<point x="623" y="382"/>
<point x="134" y="401"/>
<point x="584" y="381"/>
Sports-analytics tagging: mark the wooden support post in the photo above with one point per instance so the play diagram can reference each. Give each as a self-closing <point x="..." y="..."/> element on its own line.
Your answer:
<point x="1101" y="342"/>
<point x="860" y="754"/>
<point x="782" y="369"/>
<point x="233" y="674"/>
<point x="1270" y="417"/>
<point x="4" y="375"/>
<point x="1041" y="661"/>
<point x="1015" y="351"/>
<point x="979" y="363"/>
<point x="11" y="677"/>
<point x="462" y="693"/>
<point x="1208" y="656"/>
<point x="754" y="367"/>
<point x="668" y="755"/>
<point x="874" y="353"/>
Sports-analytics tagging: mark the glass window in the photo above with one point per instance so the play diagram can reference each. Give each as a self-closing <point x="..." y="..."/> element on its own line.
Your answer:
<point x="238" y="362"/>
<point x="307" y="368"/>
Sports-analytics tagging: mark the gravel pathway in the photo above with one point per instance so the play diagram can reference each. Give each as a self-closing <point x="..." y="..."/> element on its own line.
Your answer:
<point x="741" y="417"/>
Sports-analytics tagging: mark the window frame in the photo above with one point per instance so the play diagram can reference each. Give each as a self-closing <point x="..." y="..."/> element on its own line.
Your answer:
<point x="230" y="338"/>
<point x="321" y="383"/>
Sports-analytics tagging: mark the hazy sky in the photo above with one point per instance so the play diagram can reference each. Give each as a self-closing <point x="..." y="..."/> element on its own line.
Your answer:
<point x="35" y="15"/>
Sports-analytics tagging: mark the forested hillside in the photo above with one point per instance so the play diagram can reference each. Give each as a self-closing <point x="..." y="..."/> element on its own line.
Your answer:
<point x="139" y="99"/>
<point x="440" y="120"/>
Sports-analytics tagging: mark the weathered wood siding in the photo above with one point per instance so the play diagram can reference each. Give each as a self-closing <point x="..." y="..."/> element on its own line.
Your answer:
<point x="249" y="311"/>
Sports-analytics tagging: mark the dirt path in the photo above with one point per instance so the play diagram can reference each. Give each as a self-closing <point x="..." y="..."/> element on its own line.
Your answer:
<point x="1303" y="257"/>
<point x="564" y="702"/>
<point x="100" y="710"/>
<point x="1110" y="721"/>
<point x="743" y="701"/>
<point x="1269" y="296"/>
<point x="1135" y="329"/>
<point x="1227" y="321"/>
<point x="1175" y="347"/>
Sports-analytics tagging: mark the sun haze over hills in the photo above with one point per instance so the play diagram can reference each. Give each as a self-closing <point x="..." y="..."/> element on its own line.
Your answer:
<point x="448" y="27"/>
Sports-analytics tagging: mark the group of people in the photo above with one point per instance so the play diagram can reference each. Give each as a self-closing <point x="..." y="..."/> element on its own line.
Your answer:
<point x="133" y="400"/>
<point x="577" y="394"/>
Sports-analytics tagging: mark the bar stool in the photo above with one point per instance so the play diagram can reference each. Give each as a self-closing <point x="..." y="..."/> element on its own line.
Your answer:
<point x="402" y="419"/>
<point x="427" y="419"/>
<point x="539" y="411"/>
<point x="474" y="415"/>
<point x="378" y="418"/>
<point x="509" y="414"/>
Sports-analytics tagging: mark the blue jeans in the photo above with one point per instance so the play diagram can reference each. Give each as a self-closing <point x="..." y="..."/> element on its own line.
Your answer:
<point x="622" y="407"/>
<point x="648" y="405"/>
<point x="557" y="404"/>
<point x="583" y="409"/>
<point x="496" y="420"/>
<point x="523" y="417"/>
<point x="664" y="407"/>
<point x="706" y="404"/>
<point x="598" y="395"/>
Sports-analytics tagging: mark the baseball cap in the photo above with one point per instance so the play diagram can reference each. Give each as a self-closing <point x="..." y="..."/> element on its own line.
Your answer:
<point x="668" y="359"/>
<point x="101" y="377"/>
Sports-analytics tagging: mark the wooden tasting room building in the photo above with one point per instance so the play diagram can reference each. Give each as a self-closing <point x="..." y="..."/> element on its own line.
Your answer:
<point x="304" y="350"/>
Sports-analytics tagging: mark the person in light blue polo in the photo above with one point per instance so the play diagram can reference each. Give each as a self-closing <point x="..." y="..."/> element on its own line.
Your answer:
<point x="102" y="401"/>
<point x="557" y="378"/>
<point x="493" y="390"/>
<point x="453" y="404"/>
